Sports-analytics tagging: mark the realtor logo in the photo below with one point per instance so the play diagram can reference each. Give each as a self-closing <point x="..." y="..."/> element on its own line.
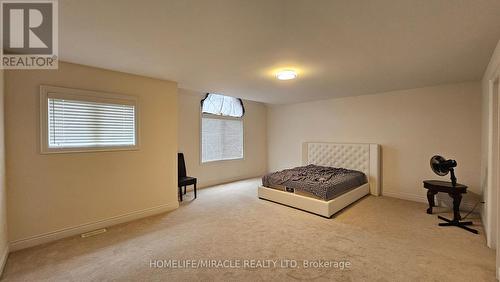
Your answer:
<point x="29" y="34"/>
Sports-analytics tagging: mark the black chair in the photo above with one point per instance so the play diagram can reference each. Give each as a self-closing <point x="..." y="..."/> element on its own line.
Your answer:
<point x="183" y="179"/>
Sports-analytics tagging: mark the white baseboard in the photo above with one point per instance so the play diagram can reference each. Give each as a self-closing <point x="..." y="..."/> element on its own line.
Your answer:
<point x="3" y="259"/>
<point x="405" y="196"/>
<point x="212" y="183"/>
<point x="466" y="205"/>
<point x="79" y="229"/>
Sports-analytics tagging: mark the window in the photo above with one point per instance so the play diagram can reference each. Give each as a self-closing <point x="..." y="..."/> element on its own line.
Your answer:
<point x="221" y="105"/>
<point x="77" y="120"/>
<point x="221" y="128"/>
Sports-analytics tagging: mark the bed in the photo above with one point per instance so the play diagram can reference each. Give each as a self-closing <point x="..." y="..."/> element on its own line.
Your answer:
<point x="351" y="160"/>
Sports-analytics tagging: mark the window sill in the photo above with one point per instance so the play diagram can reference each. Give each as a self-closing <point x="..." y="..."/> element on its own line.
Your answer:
<point x="46" y="151"/>
<point x="222" y="161"/>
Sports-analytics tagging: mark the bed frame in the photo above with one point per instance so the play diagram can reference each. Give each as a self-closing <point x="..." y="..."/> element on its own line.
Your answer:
<point x="361" y="157"/>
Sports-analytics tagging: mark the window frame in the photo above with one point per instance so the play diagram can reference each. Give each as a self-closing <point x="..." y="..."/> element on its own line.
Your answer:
<point x="202" y="115"/>
<point x="47" y="92"/>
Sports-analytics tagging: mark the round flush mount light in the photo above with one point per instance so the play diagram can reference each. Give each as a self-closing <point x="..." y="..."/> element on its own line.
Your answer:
<point x="286" y="75"/>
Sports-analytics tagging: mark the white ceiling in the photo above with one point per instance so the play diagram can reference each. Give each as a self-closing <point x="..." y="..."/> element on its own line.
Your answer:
<point x="340" y="48"/>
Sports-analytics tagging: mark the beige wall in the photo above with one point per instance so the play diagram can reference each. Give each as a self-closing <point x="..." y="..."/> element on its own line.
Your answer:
<point x="3" y="190"/>
<point x="411" y="125"/>
<point x="55" y="192"/>
<point x="255" y="161"/>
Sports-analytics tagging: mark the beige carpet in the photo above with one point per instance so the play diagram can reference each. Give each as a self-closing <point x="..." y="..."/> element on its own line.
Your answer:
<point x="384" y="239"/>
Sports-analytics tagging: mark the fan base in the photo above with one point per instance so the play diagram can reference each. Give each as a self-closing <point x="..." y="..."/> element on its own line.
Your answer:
<point x="457" y="223"/>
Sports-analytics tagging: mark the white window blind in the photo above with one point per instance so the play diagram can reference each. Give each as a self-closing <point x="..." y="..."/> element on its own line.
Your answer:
<point x="75" y="124"/>
<point x="222" y="138"/>
<point x="77" y="120"/>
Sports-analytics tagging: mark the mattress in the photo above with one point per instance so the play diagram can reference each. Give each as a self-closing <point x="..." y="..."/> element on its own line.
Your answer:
<point x="319" y="182"/>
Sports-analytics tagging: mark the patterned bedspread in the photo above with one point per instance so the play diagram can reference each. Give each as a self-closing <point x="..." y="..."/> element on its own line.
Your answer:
<point x="320" y="181"/>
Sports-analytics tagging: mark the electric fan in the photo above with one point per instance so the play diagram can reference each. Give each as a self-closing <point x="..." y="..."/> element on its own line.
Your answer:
<point x="442" y="167"/>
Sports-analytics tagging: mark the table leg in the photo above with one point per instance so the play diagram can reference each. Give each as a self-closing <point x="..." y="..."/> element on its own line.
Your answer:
<point x="457" y="198"/>
<point x="430" y="199"/>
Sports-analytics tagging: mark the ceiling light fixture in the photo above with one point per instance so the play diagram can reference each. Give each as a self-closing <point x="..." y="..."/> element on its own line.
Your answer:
<point x="286" y="75"/>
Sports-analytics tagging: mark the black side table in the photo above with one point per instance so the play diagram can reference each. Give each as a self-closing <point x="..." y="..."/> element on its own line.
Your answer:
<point x="455" y="192"/>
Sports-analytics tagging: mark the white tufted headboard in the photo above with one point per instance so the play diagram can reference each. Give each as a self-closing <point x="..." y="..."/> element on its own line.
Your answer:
<point x="361" y="157"/>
